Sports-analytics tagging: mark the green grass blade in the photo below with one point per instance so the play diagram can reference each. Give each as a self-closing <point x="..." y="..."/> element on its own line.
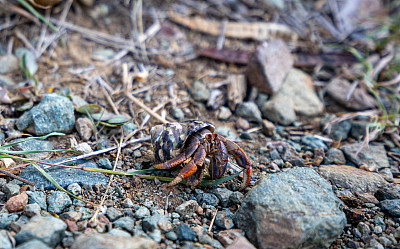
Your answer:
<point x="37" y="14"/>
<point x="219" y="181"/>
<point x="28" y="151"/>
<point x="30" y="138"/>
<point x="48" y="177"/>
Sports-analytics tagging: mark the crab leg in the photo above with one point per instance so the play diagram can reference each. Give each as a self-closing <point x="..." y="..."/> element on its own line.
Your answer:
<point x="191" y="167"/>
<point x="220" y="160"/>
<point x="241" y="159"/>
<point x="181" y="157"/>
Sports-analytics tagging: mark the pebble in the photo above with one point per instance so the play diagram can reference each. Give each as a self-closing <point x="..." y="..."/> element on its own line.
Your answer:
<point x="236" y="198"/>
<point x="50" y="230"/>
<point x="388" y="192"/>
<point x="38" y="197"/>
<point x="127" y="223"/>
<point x="358" y="128"/>
<point x="58" y="201"/>
<point x="142" y="212"/>
<point x="119" y="232"/>
<point x="31" y="210"/>
<point x="82" y="148"/>
<point x="224" y="113"/>
<point x="387" y="243"/>
<point x="184" y="232"/>
<point x="249" y="110"/>
<point x="224" y="219"/>
<point x="340" y="131"/>
<point x="269" y="66"/>
<point x="269" y="128"/>
<point x="227" y="237"/>
<point x="206" y="239"/>
<point x="105" y="164"/>
<point x="187" y="208"/>
<point x="386" y="173"/>
<point x="178" y="113"/>
<point x="223" y="195"/>
<point x="54" y="113"/>
<point x="313" y="142"/>
<point x="171" y="236"/>
<point x="113" y="213"/>
<point x="373" y="243"/>
<point x="207" y="199"/>
<point x="199" y="91"/>
<point x="17" y="203"/>
<point x="391" y="206"/>
<point x="86" y="212"/>
<point x="364" y="229"/>
<point x="334" y="156"/>
<point x="127" y="203"/>
<point x="71" y="215"/>
<point x="242" y="123"/>
<point x="74" y="188"/>
<point x="6" y="219"/>
<point x="84" y="128"/>
<point x="11" y="189"/>
<point x="129" y="128"/>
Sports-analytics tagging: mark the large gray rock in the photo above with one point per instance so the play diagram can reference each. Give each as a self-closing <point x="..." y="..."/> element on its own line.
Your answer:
<point x="54" y="113"/>
<point x="373" y="156"/>
<point x="5" y="242"/>
<point x="351" y="178"/>
<point x="293" y="209"/>
<point x="49" y="230"/>
<point x="296" y="95"/>
<point x="107" y="241"/>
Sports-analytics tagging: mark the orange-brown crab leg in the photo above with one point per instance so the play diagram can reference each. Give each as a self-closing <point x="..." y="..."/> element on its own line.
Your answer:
<point x="191" y="167"/>
<point x="241" y="159"/>
<point x="181" y="157"/>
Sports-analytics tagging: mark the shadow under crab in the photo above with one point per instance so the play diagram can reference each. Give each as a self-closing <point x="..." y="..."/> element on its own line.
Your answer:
<point x="190" y="143"/>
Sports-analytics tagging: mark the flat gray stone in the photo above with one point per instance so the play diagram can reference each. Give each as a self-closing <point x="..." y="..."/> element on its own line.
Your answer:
<point x="373" y="156"/>
<point x="49" y="230"/>
<point x="65" y="176"/>
<point x="107" y="241"/>
<point x="293" y="209"/>
<point x="351" y="178"/>
<point x="33" y="244"/>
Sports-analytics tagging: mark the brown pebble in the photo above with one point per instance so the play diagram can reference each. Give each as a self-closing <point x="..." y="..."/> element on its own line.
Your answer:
<point x="199" y="210"/>
<point x="242" y="123"/>
<point x="71" y="225"/>
<point x="227" y="237"/>
<point x="269" y="128"/>
<point x="17" y="203"/>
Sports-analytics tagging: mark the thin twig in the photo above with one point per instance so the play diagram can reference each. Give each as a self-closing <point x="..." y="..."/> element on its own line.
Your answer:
<point x="212" y="221"/>
<point x="16" y="177"/>
<point x="110" y="181"/>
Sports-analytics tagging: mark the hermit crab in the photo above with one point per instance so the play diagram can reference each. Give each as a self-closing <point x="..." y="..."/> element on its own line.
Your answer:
<point x="195" y="144"/>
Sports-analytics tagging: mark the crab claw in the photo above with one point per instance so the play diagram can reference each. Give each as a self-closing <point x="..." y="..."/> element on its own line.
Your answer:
<point x="241" y="159"/>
